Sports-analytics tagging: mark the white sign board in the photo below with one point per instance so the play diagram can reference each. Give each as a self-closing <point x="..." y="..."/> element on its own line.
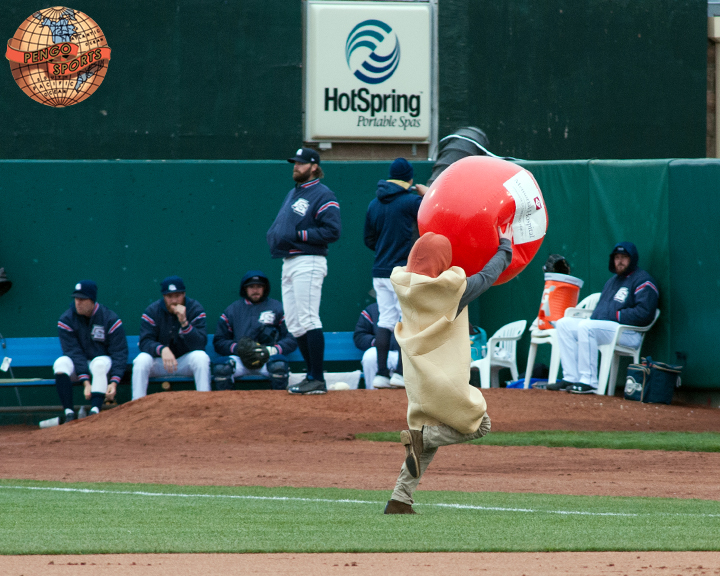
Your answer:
<point x="368" y="71"/>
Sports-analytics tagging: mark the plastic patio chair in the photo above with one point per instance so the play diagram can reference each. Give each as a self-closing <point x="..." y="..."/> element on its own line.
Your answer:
<point x="537" y="337"/>
<point x="501" y="353"/>
<point x="610" y="355"/>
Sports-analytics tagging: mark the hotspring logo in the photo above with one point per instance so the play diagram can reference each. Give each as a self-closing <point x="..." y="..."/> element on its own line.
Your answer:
<point x="375" y="68"/>
<point x="372" y="52"/>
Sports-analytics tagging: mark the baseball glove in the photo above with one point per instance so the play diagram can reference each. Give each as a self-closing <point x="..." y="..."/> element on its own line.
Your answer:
<point x="252" y="354"/>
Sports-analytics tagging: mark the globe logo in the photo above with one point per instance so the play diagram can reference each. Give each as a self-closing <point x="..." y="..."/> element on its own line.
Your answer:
<point x="58" y="56"/>
<point x="377" y="51"/>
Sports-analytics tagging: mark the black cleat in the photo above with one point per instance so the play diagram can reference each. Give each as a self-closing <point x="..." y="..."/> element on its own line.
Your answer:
<point x="309" y="387"/>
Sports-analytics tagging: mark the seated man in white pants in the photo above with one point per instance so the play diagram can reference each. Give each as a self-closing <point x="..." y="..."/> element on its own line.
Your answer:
<point x="172" y="340"/>
<point x="364" y="339"/>
<point x="629" y="297"/>
<point x="94" y="349"/>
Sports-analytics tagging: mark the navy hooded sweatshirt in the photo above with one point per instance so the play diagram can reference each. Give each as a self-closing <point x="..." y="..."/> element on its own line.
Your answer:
<point x="391" y="226"/>
<point x="631" y="298"/>
<point x="263" y="321"/>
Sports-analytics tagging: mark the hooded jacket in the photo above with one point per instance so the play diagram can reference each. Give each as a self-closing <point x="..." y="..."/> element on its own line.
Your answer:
<point x="631" y="298"/>
<point x="263" y="321"/>
<point x="391" y="226"/>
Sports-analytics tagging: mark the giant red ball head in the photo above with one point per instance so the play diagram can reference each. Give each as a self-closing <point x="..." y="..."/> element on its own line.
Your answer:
<point x="474" y="196"/>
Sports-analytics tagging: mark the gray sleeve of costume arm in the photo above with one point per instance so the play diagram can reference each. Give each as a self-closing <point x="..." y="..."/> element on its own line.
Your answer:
<point x="480" y="282"/>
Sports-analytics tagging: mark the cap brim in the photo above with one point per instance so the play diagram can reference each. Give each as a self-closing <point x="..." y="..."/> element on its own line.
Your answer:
<point x="298" y="160"/>
<point x="81" y="295"/>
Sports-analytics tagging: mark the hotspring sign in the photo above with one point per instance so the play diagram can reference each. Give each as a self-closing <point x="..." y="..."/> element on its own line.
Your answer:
<point x="368" y="71"/>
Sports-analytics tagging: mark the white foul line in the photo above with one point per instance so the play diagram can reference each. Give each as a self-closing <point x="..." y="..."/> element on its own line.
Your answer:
<point x="340" y="501"/>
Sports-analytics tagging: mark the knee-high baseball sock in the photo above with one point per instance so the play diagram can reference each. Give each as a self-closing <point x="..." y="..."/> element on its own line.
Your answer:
<point x="97" y="399"/>
<point x="316" y="347"/>
<point x="305" y="351"/>
<point x="382" y="343"/>
<point x="64" y="385"/>
<point x="399" y="369"/>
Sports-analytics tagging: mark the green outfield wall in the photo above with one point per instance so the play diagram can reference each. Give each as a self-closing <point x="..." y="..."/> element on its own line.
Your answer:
<point x="128" y="224"/>
<point x="222" y="80"/>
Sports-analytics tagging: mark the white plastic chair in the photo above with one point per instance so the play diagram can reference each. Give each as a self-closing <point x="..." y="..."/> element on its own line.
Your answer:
<point x="537" y="337"/>
<point x="501" y="353"/>
<point x="610" y="355"/>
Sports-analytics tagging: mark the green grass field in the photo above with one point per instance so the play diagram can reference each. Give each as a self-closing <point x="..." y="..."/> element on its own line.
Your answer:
<point x="682" y="441"/>
<point x="59" y="518"/>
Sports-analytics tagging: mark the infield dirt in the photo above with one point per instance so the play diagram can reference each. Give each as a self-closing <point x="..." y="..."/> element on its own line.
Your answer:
<point x="270" y="438"/>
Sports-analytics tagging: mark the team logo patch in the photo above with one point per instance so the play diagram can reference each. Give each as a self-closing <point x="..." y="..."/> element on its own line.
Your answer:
<point x="621" y="295"/>
<point x="172" y="287"/>
<point x="98" y="333"/>
<point x="301" y="206"/>
<point x="78" y="286"/>
<point x="267" y="317"/>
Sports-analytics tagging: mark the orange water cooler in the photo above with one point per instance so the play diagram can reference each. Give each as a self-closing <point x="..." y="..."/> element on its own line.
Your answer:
<point x="561" y="292"/>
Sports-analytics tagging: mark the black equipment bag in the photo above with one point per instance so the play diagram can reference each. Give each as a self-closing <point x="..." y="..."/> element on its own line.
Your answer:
<point x="652" y="382"/>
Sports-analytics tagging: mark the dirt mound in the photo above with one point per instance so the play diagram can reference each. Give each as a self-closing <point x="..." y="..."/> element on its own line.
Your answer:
<point x="268" y="438"/>
<point x="272" y="416"/>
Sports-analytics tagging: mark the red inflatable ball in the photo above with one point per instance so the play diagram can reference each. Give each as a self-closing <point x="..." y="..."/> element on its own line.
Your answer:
<point x="474" y="196"/>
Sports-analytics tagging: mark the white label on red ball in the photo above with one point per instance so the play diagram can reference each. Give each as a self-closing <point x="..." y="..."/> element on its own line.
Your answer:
<point x="530" y="222"/>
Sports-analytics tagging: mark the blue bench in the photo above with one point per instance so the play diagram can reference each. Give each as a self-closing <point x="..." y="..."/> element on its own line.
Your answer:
<point x="41" y="352"/>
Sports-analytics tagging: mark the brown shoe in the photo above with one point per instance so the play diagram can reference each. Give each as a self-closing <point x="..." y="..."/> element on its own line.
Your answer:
<point x="412" y="439"/>
<point x="484" y="425"/>
<point x="397" y="507"/>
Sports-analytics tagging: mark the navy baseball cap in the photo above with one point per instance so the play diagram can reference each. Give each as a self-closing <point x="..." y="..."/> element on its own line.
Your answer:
<point x="305" y="156"/>
<point x="172" y="284"/>
<point x="86" y="289"/>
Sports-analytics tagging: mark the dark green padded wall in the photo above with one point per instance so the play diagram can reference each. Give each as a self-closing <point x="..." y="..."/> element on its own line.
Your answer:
<point x="560" y="79"/>
<point x="127" y="224"/>
<point x="695" y="267"/>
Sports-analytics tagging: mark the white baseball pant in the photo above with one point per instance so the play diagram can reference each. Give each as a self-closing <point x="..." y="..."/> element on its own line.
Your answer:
<point x="579" y="339"/>
<point x="302" y="280"/>
<point x="195" y="364"/>
<point x="242" y="370"/>
<point x="370" y="365"/>
<point x="98" y="366"/>
<point x="387" y="301"/>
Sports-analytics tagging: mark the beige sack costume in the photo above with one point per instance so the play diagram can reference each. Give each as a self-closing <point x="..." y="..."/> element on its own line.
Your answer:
<point x="435" y="343"/>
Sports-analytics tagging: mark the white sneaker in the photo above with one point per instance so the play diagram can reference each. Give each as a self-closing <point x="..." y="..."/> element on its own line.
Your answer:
<point x="381" y="382"/>
<point x="397" y="381"/>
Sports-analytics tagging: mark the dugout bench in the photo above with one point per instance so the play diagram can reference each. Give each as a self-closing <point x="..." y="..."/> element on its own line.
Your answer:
<point x="40" y="353"/>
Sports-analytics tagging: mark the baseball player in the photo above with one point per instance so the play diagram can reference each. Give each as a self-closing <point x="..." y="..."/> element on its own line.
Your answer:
<point x="94" y="347"/>
<point x="443" y="408"/>
<point x="390" y="230"/>
<point x="308" y="220"/>
<point x="630" y="296"/>
<point x="253" y="334"/>
<point x="364" y="338"/>
<point x="172" y="340"/>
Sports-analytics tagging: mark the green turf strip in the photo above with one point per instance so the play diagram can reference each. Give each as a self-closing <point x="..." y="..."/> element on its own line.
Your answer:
<point x="682" y="441"/>
<point x="57" y="518"/>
